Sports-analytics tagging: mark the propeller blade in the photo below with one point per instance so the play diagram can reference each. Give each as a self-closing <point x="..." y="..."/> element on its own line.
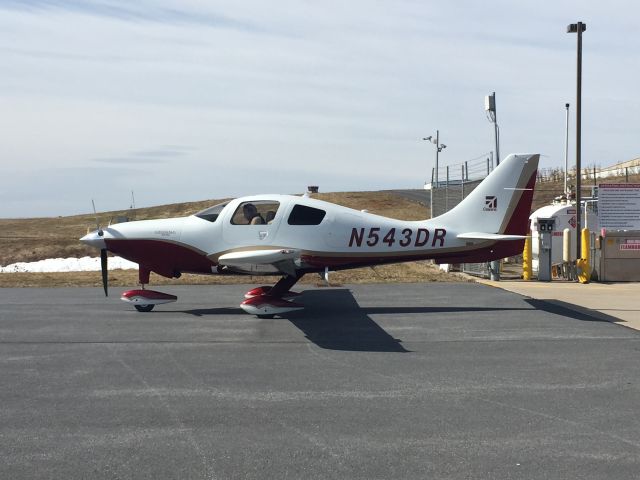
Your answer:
<point x="105" y="272"/>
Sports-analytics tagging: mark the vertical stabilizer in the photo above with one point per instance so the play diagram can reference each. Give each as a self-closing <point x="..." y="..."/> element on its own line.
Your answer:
<point x="501" y="204"/>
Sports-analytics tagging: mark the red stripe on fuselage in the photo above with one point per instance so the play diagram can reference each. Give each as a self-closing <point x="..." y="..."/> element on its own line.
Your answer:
<point x="164" y="258"/>
<point x="495" y="251"/>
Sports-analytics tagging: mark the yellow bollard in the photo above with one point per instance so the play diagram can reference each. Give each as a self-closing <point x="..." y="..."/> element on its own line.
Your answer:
<point x="583" y="263"/>
<point x="527" y="258"/>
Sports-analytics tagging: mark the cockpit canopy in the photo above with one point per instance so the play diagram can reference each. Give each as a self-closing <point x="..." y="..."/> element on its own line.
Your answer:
<point x="211" y="214"/>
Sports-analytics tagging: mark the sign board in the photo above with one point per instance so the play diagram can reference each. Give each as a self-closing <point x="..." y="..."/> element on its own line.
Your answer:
<point x="619" y="206"/>
<point x="630" y="244"/>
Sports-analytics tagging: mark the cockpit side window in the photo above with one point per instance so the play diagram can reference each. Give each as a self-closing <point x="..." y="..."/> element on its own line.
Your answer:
<point x="303" y="215"/>
<point x="260" y="212"/>
<point x="211" y="214"/>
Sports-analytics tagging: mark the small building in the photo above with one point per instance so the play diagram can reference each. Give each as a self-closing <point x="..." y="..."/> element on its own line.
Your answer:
<point x="619" y="169"/>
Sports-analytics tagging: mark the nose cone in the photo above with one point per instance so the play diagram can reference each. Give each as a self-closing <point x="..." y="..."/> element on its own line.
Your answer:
<point x="94" y="239"/>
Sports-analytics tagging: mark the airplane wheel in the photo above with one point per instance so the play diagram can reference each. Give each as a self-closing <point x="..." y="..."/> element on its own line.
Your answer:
<point x="144" y="308"/>
<point x="267" y="316"/>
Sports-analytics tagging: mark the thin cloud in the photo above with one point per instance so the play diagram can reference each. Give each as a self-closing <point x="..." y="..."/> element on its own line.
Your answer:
<point x="129" y="161"/>
<point x="169" y="151"/>
<point x="257" y="96"/>
<point x="135" y="12"/>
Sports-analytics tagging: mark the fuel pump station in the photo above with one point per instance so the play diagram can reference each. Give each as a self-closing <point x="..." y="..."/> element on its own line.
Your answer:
<point x="545" y="227"/>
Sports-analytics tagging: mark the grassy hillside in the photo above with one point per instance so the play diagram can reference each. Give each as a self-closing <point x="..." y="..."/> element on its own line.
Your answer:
<point x="32" y="239"/>
<point x="40" y="238"/>
<point x="545" y="192"/>
<point x="26" y="240"/>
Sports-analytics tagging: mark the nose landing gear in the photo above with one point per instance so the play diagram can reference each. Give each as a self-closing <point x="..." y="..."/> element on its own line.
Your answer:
<point x="144" y="300"/>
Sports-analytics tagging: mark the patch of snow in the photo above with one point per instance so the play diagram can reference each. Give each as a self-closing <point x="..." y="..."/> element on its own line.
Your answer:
<point x="84" y="264"/>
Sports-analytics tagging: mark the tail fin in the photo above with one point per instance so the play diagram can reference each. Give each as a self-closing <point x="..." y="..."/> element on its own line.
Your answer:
<point x="499" y="207"/>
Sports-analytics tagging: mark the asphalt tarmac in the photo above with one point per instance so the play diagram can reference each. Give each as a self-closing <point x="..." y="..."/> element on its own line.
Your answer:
<point x="451" y="381"/>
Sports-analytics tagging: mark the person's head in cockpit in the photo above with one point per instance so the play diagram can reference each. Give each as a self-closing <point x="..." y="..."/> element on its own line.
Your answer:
<point x="251" y="214"/>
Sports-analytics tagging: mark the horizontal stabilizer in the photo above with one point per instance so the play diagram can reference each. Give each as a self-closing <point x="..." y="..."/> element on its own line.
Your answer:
<point x="490" y="236"/>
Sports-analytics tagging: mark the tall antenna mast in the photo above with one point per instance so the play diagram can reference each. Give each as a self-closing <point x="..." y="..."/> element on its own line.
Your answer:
<point x="133" y="205"/>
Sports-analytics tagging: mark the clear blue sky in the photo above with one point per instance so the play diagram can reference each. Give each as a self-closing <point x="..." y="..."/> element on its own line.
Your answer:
<point x="186" y="100"/>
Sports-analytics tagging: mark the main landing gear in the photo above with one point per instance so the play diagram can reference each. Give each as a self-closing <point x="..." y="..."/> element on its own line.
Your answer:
<point x="267" y="302"/>
<point x="264" y="302"/>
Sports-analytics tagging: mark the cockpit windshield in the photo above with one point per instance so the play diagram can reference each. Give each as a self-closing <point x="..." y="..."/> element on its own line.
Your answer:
<point x="211" y="214"/>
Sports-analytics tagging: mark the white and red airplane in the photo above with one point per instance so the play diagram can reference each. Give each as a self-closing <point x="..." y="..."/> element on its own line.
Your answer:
<point x="292" y="236"/>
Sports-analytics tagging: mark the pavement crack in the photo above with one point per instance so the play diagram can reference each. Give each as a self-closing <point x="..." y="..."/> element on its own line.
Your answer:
<point x="561" y="419"/>
<point x="182" y="428"/>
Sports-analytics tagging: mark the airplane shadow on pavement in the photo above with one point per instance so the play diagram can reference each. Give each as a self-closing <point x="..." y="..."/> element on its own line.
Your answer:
<point x="332" y="319"/>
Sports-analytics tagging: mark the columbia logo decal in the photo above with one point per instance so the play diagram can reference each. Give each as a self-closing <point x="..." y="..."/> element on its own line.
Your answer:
<point x="490" y="203"/>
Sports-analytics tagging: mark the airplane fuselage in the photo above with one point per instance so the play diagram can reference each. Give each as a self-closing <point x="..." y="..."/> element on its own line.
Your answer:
<point x="291" y="236"/>
<point x="342" y="238"/>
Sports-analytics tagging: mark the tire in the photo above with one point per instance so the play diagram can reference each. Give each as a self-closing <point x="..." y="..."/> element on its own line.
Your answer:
<point x="144" y="308"/>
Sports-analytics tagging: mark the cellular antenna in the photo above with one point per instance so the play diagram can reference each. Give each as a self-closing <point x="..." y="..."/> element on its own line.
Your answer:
<point x="133" y="205"/>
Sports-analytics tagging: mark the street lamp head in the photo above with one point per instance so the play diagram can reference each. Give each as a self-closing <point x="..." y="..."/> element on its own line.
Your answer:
<point x="428" y="138"/>
<point x="573" y="27"/>
<point x="442" y="145"/>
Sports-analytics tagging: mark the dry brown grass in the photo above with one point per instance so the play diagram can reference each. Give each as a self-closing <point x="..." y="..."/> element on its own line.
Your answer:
<point x="403" y="273"/>
<point x="32" y="239"/>
<point x="24" y="240"/>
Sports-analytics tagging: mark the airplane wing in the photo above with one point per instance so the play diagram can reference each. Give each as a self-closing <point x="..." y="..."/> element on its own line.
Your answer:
<point x="490" y="236"/>
<point x="279" y="260"/>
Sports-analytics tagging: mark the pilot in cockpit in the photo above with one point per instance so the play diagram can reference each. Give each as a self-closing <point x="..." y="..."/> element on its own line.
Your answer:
<point x="251" y="214"/>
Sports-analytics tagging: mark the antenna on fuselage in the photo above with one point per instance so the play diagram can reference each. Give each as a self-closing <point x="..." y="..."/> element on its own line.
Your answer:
<point x="133" y="206"/>
<point x="95" y="214"/>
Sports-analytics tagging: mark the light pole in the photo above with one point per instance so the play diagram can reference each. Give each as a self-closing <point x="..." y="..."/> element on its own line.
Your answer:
<point x="492" y="115"/>
<point x="578" y="28"/>
<point x="566" y="151"/>
<point x="439" y="148"/>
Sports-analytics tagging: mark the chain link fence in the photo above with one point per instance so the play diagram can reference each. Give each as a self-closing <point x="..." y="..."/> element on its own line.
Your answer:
<point x="447" y="196"/>
<point x="459" y="181"/>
